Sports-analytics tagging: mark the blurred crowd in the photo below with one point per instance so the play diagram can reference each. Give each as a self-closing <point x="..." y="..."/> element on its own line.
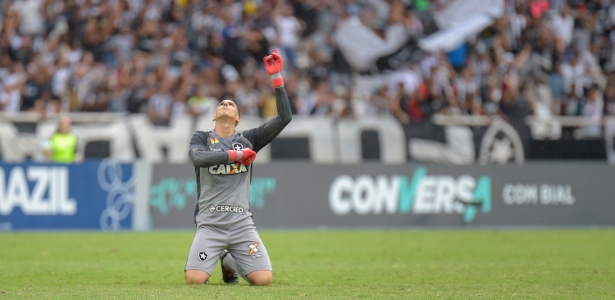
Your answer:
<point x="171" y="57"/>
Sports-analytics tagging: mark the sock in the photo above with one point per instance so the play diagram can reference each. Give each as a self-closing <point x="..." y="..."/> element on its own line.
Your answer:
<point x="230" y="263"/>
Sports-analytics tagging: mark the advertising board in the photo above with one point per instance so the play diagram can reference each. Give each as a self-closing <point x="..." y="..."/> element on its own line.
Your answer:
<point x="304" y="195"/>
<point x="87" y="195"/>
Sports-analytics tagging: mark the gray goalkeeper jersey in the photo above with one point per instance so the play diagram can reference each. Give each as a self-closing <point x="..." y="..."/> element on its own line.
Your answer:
<point x="224" y="187"/>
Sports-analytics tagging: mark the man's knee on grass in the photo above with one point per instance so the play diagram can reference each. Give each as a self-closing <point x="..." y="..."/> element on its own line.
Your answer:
<point x="262" y="278"/>
<point x="196" y="277"/>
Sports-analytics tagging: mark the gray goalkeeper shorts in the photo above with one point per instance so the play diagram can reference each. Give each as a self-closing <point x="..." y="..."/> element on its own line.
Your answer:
<point x="242" y="241"/>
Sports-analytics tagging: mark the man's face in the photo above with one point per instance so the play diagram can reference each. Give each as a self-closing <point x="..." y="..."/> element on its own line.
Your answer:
<point x="64" y="125"/>
<point x="227" y="109"/>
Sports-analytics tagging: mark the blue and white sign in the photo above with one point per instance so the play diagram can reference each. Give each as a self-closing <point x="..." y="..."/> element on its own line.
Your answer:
<point x="86" y="195"/>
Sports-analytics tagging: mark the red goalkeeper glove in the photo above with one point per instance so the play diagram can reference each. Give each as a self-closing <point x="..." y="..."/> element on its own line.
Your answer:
<point x="248" y="157"/>
<point x="273" y="65"/>
<point x="245" y="156"/>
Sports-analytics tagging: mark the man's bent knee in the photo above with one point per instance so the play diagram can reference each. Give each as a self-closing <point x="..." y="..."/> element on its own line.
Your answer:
<point x="260" y="277"/>
<point x="196" y="277"/>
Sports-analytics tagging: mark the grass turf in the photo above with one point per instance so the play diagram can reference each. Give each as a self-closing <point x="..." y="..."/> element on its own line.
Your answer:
<point x="387" y="264"/>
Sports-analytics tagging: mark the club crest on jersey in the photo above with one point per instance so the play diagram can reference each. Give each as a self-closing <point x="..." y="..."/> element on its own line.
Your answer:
<point x="227" y="169"/>
<point x="202" y="256"/>
<point x="237" y="146"/>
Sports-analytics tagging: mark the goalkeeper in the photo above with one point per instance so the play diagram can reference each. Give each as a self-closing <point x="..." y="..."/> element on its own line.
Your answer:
<point x="222" y="160"/>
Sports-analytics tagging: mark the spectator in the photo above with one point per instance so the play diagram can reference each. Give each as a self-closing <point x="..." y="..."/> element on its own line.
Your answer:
<point x="556" y="83"/>
<point x="399" y="105"/>
<point x="593" y="108"/>
<point x="10" y="97"/>
<point x="419" y="106"/>
<point x="574" y="75"/>
<point x="160" y="103"/>
<point x="260" y="34"/>
<point x="563" y="24"/>
<point x="538" y="8"/>
<point x="120" y="46"/>
<point x="414" y="26"/>
<point x="379" y="103"/>
<point x="96" y="99"/>
<point x="609" y="100"/>
<point x="204" y="23"/>
<point x="201" y="103"/>
<point x="346" y="108"/>
<point x="289" y="31"/>
<point x="62" y="146"/>
<point x="31" y="21"/>
<point x="466" y="89"/>
<point x="572" y="103"/>
<point x="540" y="98"/>
<point x="319" y="101"/>
<point x="37" y="83"/>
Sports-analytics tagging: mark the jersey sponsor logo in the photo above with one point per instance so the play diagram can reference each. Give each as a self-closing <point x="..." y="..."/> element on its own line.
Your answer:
<point x="213" y="140"/>
<point x="202" y="256"/>
<point x="227" y="169"/>
<point x="226" y="209"/>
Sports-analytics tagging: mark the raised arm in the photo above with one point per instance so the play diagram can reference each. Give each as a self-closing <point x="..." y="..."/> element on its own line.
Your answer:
<point x="273" y="127"/>
<point x="265" y="133"/>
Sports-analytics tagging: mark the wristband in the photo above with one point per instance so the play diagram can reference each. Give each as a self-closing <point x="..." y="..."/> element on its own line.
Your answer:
<point x="234" y="155"/>
<point x="277" y="80"/>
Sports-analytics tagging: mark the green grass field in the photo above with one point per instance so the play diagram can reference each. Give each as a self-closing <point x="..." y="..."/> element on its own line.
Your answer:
<point x="395" y="264"/>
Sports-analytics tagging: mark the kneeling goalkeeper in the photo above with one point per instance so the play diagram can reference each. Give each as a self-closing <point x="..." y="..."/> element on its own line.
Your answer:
<point x="222" y="160"/>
